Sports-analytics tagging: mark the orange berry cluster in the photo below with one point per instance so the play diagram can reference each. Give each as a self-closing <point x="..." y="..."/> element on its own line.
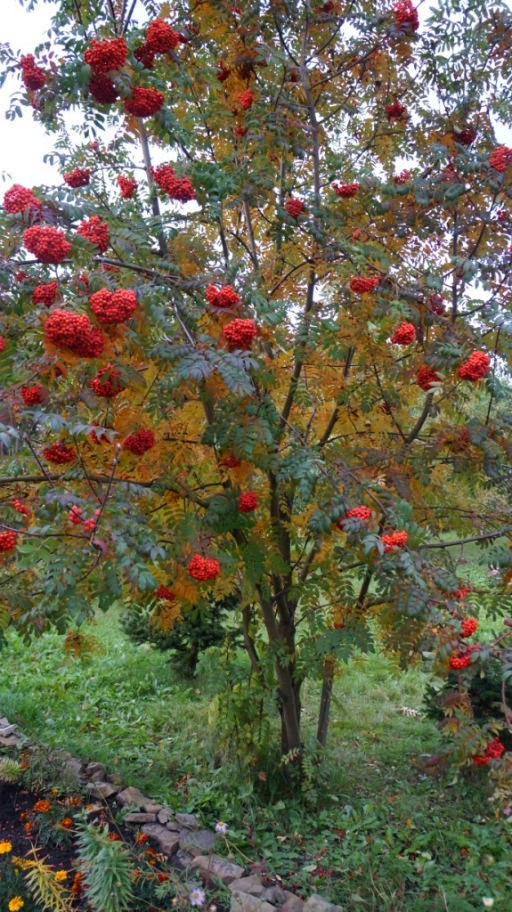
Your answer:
<point x="80" y="177"/>
<point x="139" y="442"/>
<point x="19" y="199"/>
<point x="48" y="244"/>
<point x="113" y="306"/>
<point x="203" y="568"/>
<point x="74" y="332"/>
<point x="45" y="294"/>
<point x="95" y="231"/>
<point x="59" y="453"/>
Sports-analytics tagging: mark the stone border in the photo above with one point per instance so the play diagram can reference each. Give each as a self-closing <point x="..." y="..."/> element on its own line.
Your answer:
<point x="176" y="835"/>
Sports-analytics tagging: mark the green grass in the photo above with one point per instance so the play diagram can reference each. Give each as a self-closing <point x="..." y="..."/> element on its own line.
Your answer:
<point x="371" y="831"/>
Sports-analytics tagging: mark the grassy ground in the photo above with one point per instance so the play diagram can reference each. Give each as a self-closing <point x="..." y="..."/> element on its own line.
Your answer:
<point x="372" y="830"/>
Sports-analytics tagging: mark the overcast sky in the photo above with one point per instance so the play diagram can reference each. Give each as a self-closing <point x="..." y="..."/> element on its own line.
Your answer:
<point x="23" y="142"/>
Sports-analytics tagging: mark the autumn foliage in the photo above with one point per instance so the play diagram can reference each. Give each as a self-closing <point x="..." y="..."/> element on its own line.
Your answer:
<point x="272" y="360"/>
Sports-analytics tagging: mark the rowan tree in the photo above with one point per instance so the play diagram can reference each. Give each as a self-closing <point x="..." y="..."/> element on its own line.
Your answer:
<point x="254" y="342"/>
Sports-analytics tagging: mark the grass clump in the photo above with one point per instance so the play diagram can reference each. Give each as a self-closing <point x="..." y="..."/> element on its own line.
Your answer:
<point x="372" y="828"/>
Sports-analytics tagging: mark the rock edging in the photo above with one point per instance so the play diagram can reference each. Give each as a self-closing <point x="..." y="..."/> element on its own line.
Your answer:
<point x="176" y="835"/>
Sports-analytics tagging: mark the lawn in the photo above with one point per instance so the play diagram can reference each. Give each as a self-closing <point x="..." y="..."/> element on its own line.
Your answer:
<point x="375" y="828"/>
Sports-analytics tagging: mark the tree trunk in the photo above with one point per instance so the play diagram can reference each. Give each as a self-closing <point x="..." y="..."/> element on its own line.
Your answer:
<point x="325" y="699"/>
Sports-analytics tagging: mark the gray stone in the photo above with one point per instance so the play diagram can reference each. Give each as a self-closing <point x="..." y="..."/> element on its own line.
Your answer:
<point x="251" y="884"/>
<point x="292" y="903"/>
<point x="151" y="807"/>
<point x="140" y="817"/>
<point x="101" y="789"/>
<point x="183" y="859"/>
<point x="317" y="903"/>
<point x="163" y="816"/>
<point x="188" y="820"/>
<point x="8" y="741"/>
<point x="173" y="826"/>
<point x="283" y="899"/>
<point x="72" y="770"/>
<point x="132" y="796"/>
<point x="197" y="842"/>
<point x="165" y="841"/>
<point x="275" y="895"/>
<point x="216" y="866"/>
<point x="247" y="902"/>
<point x="6" y="729"/>
<point x="95" y="772"/>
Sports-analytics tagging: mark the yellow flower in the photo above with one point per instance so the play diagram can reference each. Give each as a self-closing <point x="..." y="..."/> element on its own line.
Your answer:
<point x="15" y="904"/>
<point x="5" y="847"/>
<point x="61" y="875"/>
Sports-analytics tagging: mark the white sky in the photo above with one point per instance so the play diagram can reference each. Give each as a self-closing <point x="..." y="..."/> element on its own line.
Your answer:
<point x="23" y="142"/>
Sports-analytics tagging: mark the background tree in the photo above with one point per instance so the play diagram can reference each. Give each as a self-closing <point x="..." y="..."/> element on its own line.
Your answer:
<point x="241" y="340"/>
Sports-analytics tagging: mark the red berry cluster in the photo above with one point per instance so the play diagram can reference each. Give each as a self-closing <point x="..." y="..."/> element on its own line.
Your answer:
<point x="393" y="540"/>
<point x="223" y="72"/>
<point x="161" y="37"/>
<point x="493" y="751"/>
<point x="48" y="245"/>
<point x="178" y="188"/>
<point x="59" y="453"/>
<point x="461" y="592"/>
<point x="107" y="383"/>
<point x="75" y="515"/>
<point x="240" y="334"/>
<point x="33" y="77"/>
<point x="45" y="294"/>
<point x="225" y="296"/>
<point x="402" y="177"/>
<point x="127" y="186"/>
<point x="103" y="89"/>
<point x="395" y="111"/>
<point x="74" y="332"/>
<point x="363" y="514"/>
<point x="460" y="660"/>
<point x="294" y="207"/>
<point x="229" y="461"/>
<point x="33" y="395"/>
<point x="476" y="367"/>
<point x="500" y="158"/>
<point x="203" y="568"/>
<point x="406" y="16"/>
<point x="2" y="344"/>
<point x="144" y="102"/>
<point x="95" y="231"/>
<point x="98" y="435"/>
<point x="346" y="191"/>
<point x="426" y="376"/>
<point x="21" y="508"/>
<point x="464" y="136"/>
<point x="8" y="540"/>
<point x="113" y="306"/>
<point x="245" y="99"/>
<point x="469" y="626"/>
<point x="404" y="334"/>
<point x="19" y="199"/>
<point x="144" y="56"/>
<point x="104" y="56"/>
<point x="247" y="502"/>
<point x="162" y="592"/>
<point x="80" y="177"/>
<point x="139" y="442"/>
<point x="363" y="285"/>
